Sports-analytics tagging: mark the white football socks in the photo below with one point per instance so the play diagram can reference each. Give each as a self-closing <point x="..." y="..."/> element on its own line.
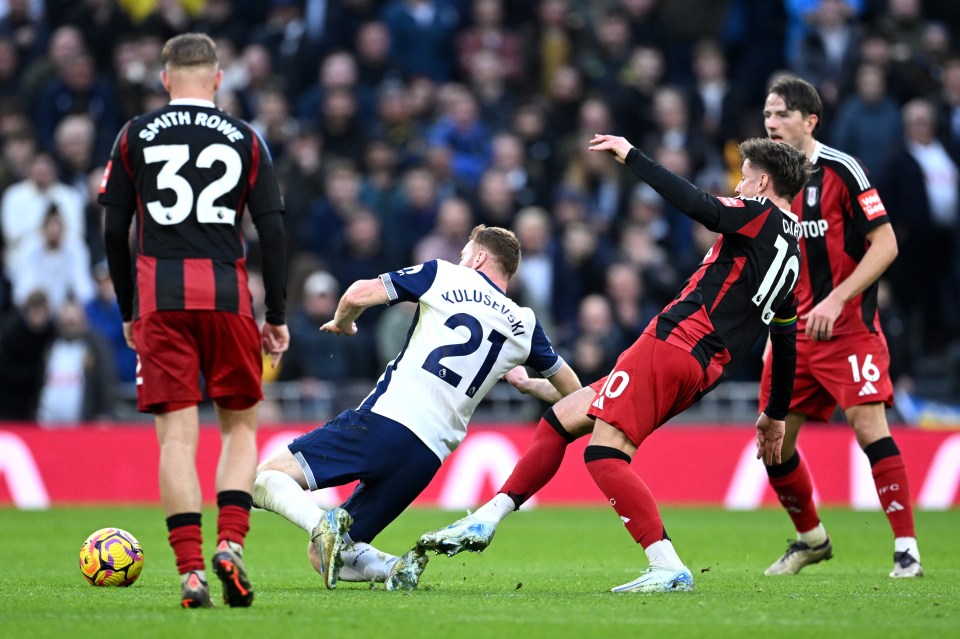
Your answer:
<point x="663" y="555"/>
<point x="907" y="544"/>
<point x="496" y="509"/>
<point x="280" y="493"/>
<point x="813" y="537"/>
<point x="363" y="562"/>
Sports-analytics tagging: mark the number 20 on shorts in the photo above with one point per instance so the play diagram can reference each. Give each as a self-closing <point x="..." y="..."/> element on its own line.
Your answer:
<point x="614" y="386"/>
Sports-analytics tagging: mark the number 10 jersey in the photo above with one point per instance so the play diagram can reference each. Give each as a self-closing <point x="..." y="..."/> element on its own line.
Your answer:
<point x="465" y="335"/>
<point x="187" y="171"/>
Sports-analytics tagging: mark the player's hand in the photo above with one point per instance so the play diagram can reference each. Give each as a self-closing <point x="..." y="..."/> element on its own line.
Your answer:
<point x="821" y="319"/>
<point x="274" y="340"/>
<point x="617" y="147"/>
<point x="128" y="335"/>
<point x="336" y="329"/>
<point x="770" y="438"/>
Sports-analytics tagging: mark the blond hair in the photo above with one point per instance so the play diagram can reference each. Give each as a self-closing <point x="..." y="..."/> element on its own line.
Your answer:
<point x="189" y="50"/>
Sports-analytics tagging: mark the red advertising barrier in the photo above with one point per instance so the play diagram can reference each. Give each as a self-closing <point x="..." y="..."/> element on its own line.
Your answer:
<point x="709" y="465"/>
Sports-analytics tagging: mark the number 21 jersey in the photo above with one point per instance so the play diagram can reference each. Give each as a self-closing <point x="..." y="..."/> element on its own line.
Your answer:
<point x="187" y="171"/>
<point x="464" y="336"/>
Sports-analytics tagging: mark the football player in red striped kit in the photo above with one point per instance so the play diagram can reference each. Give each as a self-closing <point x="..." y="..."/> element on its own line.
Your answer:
<point x="187" y="171"/>
<point x="744" y="287"/>
<point x="847" y="243"/>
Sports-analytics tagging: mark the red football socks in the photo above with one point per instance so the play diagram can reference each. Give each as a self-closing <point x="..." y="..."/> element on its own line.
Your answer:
<point x="186" y="540"/>
<point x="626" y="492"/>
<point x="793" y="485"/>
<point x="539" y="463"/>
<point x="890" y="477"/>
<point x="233" y="519"/>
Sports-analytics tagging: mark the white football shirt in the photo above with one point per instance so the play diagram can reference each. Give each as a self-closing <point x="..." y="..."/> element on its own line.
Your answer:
<point x="464" y="336"/>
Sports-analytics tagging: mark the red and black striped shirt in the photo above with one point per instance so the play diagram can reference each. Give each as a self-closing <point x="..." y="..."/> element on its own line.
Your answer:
<point x="837" y="209"/>
<point x="188" y="171"/>
<point x="743" y="287"/>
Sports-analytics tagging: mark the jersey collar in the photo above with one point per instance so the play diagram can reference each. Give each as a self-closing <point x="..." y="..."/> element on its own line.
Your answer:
<point x="817" y="147"/>
<point x="490" y="282"/>
<point x="193" y="102"/>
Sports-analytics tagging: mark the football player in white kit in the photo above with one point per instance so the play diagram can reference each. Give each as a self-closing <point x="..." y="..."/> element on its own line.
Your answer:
<point x="465" y="335"/>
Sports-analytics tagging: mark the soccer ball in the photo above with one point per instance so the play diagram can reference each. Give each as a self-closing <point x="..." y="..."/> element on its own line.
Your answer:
<point x="111" y="557"/>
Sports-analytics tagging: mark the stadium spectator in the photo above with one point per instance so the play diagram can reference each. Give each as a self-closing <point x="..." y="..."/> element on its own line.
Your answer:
<point x="417" y="413"/>
<point x="102" y="23"/>
<point x="862" y="114"/>
<point x="341" y="128"/>
<point x="272" y="119"/>
<point x="54" y="261"/>
<point x="603" y="60"/>
<point x="103" y="317"/>
<point x="460" y="129"/>
<point x="25" y="336"/>
<point x="633" y="101"/>
<point x="74" y="140"/>
<point x="79" y="378"/>
<point x="65" y="44"/>
<point x="842" y="356"/>
<point x="495" y="100"/>
<point x="197" y="298"/>
<point x="487" y="32"/>
<point x="319" y="358"/>
<point x="421" y="37"/>
<point x="323" y="224"/>
<point x="536" y="275"/>
<point x="373" y="63"/>
<point x="78" y="89"/>
<point x="715" y="105"/>
<point x="921" y="184"/>
<point x="9" y="69"/>
<point x="25" y="205"/>
<point x="449" y="234"/>
<point x="828" y="52"/>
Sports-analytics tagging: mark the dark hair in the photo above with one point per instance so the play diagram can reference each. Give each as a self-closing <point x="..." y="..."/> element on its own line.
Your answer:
<point x="788" y="168"/>
<point x="798" y="95"/>
<point x="188" y="50"/>
<point x="502" y="245"/>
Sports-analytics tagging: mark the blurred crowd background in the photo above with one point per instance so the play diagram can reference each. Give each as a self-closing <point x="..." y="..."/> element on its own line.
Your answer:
<point x="397" y="125"/>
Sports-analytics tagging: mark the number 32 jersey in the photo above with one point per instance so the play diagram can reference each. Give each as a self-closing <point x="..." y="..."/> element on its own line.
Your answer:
<point x="187" y="171"/>
<point x="465" y="335"/>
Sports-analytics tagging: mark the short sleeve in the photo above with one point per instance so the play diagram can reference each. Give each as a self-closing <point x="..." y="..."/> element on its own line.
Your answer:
<point x="117" y="187"/>
<point x="543" y="358"/>
<point x="264" y="194"/>
<point x="409" y="284"/>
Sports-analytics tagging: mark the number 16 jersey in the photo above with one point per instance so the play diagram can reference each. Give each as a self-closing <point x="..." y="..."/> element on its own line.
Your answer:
<point x="187" y="171"/>
<point x="465" y="335"/>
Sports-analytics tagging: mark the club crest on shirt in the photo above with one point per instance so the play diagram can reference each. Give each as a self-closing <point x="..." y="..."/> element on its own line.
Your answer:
<point x="813" y="195"/>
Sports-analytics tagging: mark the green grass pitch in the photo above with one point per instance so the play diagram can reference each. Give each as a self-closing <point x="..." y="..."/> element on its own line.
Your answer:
<point x="547" y="574"/>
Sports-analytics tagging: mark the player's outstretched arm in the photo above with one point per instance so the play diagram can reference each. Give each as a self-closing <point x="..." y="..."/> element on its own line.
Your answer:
<point x="547" y="390"/>
<point x="686" y="197"/>
<point x="360" y="296"/>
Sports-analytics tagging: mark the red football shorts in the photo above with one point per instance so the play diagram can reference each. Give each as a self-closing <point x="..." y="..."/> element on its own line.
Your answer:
<point x="849" y="369"/>
<point x="651" y="382"/>
<point x="174" y="347"/>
